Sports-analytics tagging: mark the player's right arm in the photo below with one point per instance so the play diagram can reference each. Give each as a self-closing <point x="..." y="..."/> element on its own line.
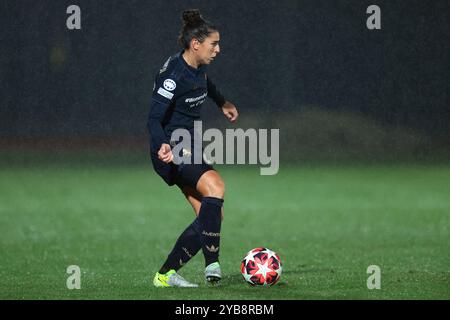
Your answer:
<point x="164" y="93"/>
<point x="165" y="153"/>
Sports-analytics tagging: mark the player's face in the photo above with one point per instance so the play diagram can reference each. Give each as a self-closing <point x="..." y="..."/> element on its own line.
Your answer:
<point x="209" y="49"/>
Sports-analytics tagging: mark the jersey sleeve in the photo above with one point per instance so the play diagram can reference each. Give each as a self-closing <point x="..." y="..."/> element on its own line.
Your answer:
<point x="214" y="93"/>
<point x="164" y="93"/>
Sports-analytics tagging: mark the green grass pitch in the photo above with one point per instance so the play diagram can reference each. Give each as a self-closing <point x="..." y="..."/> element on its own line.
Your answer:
<point x="328" y="224"/>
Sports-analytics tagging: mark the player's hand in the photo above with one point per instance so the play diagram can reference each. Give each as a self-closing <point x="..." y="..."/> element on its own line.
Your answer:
<point x="165" y="153"/>
<point x="230" y="111"/>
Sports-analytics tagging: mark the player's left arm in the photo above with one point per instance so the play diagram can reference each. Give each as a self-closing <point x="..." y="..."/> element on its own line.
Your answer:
<point x="228" y="108"/>
<point x="230" y="111"/>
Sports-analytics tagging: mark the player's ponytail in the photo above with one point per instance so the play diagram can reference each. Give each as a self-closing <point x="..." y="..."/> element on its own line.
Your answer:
<point x="194" y="26"/>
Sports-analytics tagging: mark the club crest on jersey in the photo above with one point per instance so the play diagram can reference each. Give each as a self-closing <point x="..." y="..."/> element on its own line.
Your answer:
<point x="169" y="84"/>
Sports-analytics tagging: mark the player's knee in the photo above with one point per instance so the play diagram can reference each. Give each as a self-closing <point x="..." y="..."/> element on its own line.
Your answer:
<point x="220" y="186"/>
<point x="211" y="185"/>
<point x="216" y="188"/>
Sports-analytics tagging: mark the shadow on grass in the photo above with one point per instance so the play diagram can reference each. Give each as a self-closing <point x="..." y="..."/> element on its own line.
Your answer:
<point x="237" y="279"/>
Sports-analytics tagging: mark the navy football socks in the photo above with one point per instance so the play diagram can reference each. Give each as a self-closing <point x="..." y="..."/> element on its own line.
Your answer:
<point x="210" y="223"/>
<point x="187" y="246"/>
<point x="203" y="233"/>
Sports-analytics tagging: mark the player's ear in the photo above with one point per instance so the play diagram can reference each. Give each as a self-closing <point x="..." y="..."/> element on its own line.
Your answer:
<point x="195" y="43"/>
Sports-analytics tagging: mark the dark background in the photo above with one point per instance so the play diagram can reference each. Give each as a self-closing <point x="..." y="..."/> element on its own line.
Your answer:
<point x="310" y="68"/>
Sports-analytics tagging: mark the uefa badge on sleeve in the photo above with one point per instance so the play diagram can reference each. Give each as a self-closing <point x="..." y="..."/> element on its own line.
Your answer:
<point x="169" y="85"/>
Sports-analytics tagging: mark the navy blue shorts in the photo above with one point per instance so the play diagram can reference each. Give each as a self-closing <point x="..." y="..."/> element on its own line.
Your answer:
<point x="183" y="174"/>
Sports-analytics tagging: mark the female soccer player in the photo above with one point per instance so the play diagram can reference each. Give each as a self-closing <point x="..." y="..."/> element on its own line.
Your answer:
<point x="181" y="86"/>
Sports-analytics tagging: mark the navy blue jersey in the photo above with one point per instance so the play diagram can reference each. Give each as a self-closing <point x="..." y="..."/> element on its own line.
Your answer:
<point x="178" y="94"/>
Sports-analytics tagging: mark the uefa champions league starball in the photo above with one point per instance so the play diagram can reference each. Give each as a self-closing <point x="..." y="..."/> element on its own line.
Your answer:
<point x="261" y="267"/>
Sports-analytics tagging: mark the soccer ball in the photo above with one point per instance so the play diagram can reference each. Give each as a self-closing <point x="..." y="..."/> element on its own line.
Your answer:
<point x="261" y="267"/>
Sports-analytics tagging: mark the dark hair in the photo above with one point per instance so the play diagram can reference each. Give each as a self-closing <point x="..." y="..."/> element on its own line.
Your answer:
<point x="194" y="26"/>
